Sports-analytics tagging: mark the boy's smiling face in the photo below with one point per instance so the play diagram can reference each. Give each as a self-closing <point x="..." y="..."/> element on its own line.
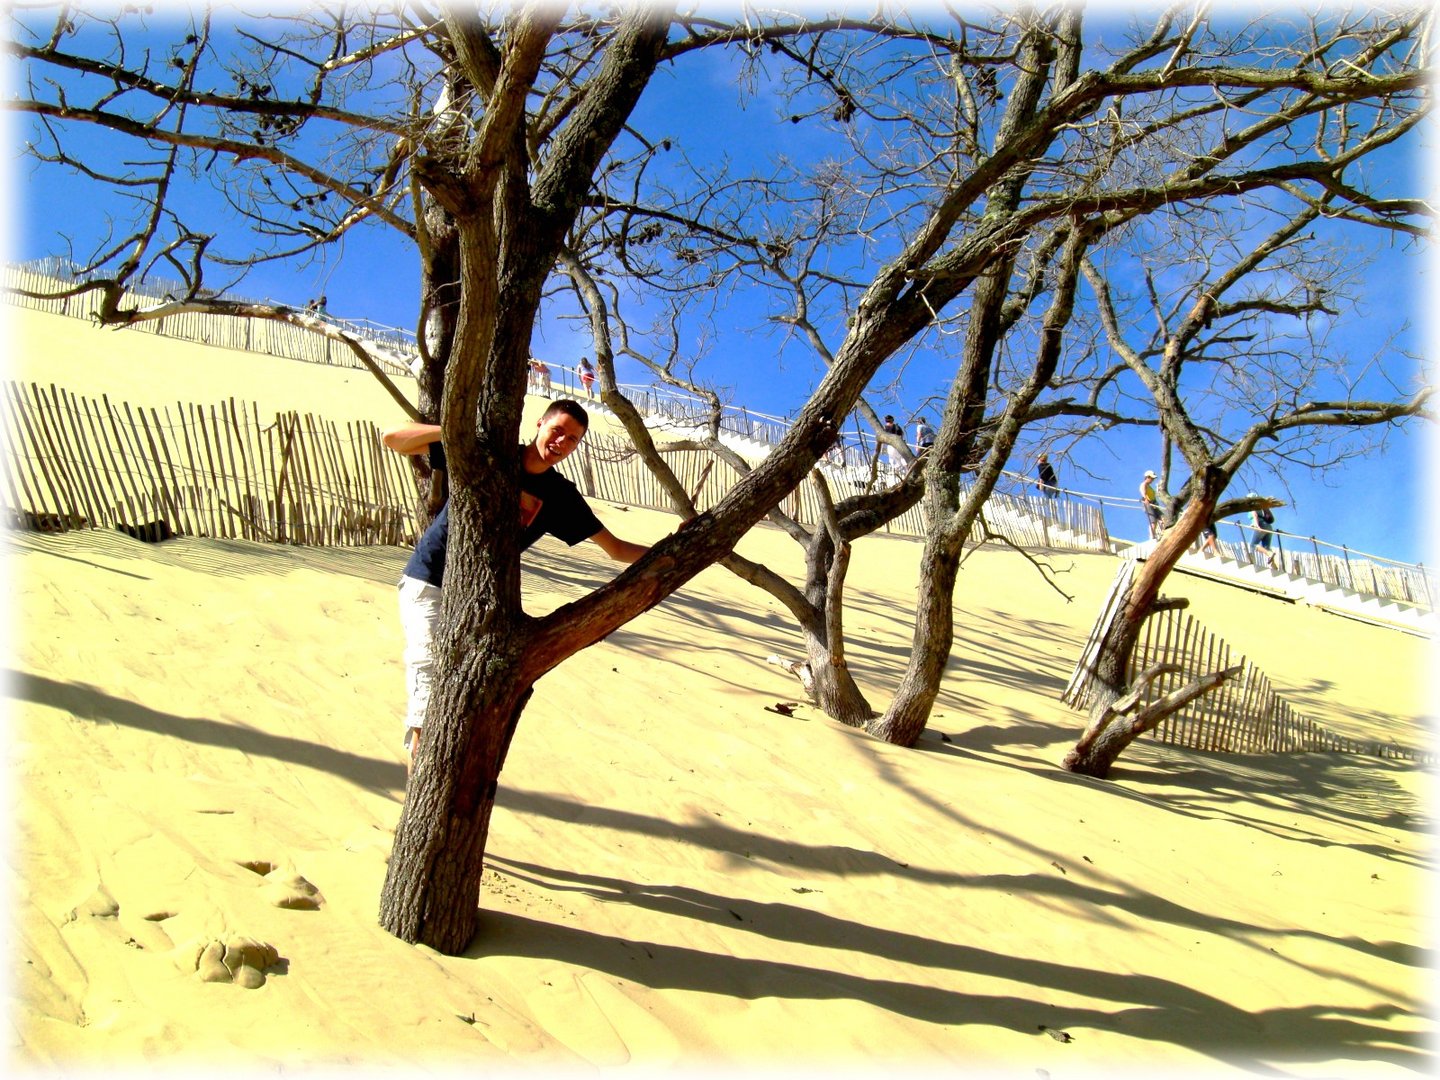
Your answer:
<point x="556" y="436"/>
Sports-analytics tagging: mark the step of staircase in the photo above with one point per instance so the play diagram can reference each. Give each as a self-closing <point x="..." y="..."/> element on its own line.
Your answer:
<point x="1332" y="598"/>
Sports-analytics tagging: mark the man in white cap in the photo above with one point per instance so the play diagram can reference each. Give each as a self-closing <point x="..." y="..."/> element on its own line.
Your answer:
<point x="1151" y="502"/>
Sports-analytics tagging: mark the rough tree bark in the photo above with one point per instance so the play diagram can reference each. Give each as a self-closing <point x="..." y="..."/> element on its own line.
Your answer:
<point x="1121" y="722"/>
<point x="831" y="685"/>
<point x="509" y="235"/>
<point x="1111" y="674"/>
<point x="440" y="289"/>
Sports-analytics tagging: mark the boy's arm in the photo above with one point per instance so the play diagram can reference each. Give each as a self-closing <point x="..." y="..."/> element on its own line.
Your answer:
<point x="411" y="438"/>
<point x="620" y="550"/>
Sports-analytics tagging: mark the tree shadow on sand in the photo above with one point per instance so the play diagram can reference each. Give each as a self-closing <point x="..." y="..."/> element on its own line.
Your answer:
<point x="1144" y="1006"/>
<point x="94" y="705"/>
<point x="989" y="647"/>
<point x="215" y="556"/>
<point x="854" y="862"/>
<point x="1315" y="791"/>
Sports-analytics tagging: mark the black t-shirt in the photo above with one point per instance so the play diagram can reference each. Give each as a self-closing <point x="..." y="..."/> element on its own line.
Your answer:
<point x="549" y="503"/>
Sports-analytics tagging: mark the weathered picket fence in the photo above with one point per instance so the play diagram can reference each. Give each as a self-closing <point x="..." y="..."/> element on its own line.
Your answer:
<point x="223" y="470"/>
<point x="67" y="461"/>
<point x="611" y="471"/>
<point x="1243" y="715"/>
<point x="216" y="470"/>
<point x="267" y="336"/>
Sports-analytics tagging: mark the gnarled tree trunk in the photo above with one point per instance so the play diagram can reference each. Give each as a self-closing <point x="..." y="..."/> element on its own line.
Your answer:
<point x="827" y="562"/>
<point x="904" y="721"/>
<point x="509" y="228"/>
<point x="1120" y="723"/>
<point x="440" y="287"/>
<point x="1111" y="676"/>
<point x="1111" y="729"/>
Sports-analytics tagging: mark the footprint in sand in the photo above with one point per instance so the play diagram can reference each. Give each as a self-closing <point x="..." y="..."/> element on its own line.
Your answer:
<point x="98" y="905"/>
<point x="240" y="960"/>
<point x="243" y="961"/>
<point x="101" y="906"/>
<point x="286" y="889"/>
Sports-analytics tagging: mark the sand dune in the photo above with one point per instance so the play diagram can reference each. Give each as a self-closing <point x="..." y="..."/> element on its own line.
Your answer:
<point x="206" y="755"/>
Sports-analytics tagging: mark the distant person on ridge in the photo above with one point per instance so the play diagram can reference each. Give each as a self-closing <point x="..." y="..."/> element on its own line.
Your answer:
<point x="587" y="375"/>
<point x="892" y="453"/>
<point x="1263" y="522"/>
<point x="924" y="436"/>
<point x="549" y="503"/>
<point x="1049" y="484"/>
<point x="1151" y="502"/>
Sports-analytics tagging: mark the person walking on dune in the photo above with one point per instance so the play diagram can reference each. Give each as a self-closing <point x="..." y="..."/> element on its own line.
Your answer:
<point x="892" y="452"/>
<point x="1151" y="502"/>
<point x="1049" y="484"/>
<point x="1209" y="539"/>
<point x="1262" y="522"/>
<point x="924" y="436"/>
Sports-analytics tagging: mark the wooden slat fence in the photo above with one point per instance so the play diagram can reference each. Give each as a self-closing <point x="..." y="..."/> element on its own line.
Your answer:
<point x="1243" y="715"/>
<point x="616" y="473"/>
<point x="204" y="470"/>
<point x="1025" y="519"/>
<point x="223" y="470"/>
<point x="1416" y="585"/>
<point x="225" y="331"/>
<point x="1410" y="585"/>
<point x="1034" y="521"/>
<point x="220" y="470"/>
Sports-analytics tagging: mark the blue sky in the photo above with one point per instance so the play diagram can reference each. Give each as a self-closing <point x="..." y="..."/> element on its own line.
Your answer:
<point x="1380" y="504"/>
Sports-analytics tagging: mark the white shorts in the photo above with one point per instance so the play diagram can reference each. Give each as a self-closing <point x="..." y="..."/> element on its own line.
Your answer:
<point x="419" y="616"/>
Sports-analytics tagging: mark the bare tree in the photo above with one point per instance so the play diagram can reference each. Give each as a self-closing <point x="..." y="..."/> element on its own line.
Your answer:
<point x="1146" y="147"/>
<point x="816" y="604"/>
<point x="510" y="180"/>
<point x="489" y="142"/>
<point x="795" y="255"/>
<point x="1241" y="367"/>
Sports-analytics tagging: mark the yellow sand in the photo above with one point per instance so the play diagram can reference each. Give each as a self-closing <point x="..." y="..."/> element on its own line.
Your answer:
<point x="205" y="740"/>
